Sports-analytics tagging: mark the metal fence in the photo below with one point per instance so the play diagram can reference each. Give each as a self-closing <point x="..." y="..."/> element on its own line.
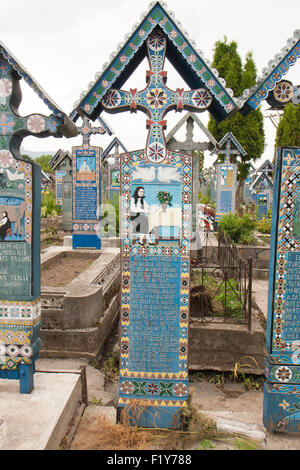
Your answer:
<point x="221" y="282"/>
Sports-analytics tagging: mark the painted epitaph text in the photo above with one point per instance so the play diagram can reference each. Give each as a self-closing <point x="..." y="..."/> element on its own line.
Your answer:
<point x="87" y="189"/>
<point x="86" y="197"/>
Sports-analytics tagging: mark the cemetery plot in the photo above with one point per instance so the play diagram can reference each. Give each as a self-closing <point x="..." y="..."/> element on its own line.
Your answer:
<point x="62" y="269"/>
<point x="220" y="283"/>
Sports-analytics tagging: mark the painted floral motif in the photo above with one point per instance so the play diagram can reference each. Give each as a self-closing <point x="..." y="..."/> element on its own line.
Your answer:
<point x="6" y="159"/>
<point x="152" y="388"/>
<point x="283" y="374"/>
<point x="284" y="404"/>
<point x="283" y="92"/>
<point x="166" y="389"/>
<point x="126" y="387"/>
<point x="157" y="41"/>
<point x="156" y="152"/>
<point x="5" y="87"/>
<point x="112" y="99"/>
<point x="180" y="389"/>
<point x="201" y="98"/>
<point x="87" y="107"/>
<point x="139" y="388"/>
<point x="156" y="98"/>
<point x="36" y="123"/>
<point x="192" y="58"/>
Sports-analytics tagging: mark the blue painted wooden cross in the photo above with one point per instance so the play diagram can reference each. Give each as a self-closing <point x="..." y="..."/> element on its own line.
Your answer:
<point x="20" y="206"/>
<point x="86" y="130"/>
<point x="156" y="100"/>
<point x="87" y="188"/>
<point x="228" y="152"/>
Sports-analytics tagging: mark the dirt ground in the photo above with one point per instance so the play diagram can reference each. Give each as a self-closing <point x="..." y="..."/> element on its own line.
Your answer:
<point x="62" y="271"/>
<point x="96" y="432"/>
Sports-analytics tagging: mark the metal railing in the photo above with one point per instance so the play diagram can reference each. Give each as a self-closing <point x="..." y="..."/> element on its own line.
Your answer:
<point x="221" y="282"/>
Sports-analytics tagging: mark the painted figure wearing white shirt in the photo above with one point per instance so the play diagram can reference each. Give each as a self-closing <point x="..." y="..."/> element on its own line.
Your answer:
<point x="139" y="214"/>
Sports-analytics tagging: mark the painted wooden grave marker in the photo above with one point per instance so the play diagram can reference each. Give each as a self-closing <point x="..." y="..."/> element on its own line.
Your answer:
<point x="262" y="206"/>
<point x="282" y="365"/>
<point x="156" y="227"/>
<point x="113" y="183"/>
<point x="60" y="164"/>
<point x="155" y="248"/>
<point x="87" y="188"/>
<point x="20" y="207"/>
<point x="226" y="175"/>
<point x="155" y="288"/>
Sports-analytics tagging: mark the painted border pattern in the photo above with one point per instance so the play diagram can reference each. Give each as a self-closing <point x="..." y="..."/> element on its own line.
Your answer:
<point x="274" y="77"/>
<point x="19" y="332"/>
<point x="285" y="244"/>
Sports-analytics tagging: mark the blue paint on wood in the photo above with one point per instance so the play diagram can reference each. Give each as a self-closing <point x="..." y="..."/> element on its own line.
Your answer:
<point x="282" y="363"/>
<point x="86" y="241"/>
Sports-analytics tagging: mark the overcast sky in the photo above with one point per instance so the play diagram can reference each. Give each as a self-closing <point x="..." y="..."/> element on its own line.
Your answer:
<point x="64" y="43"/>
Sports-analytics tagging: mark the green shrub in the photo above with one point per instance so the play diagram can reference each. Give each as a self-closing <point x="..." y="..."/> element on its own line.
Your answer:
<point x="231" y="299"/>
<point x="48" y="204"/>
<point x="115" y="202"/>
<point x="264" y="225"/>
<point x="239" y="229"/>
<point x="205" y="199"/>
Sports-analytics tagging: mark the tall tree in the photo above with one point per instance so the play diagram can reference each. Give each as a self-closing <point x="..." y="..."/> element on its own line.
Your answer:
<point x="288" y="130"/>
<point x="249" y="130"/>
<point x="27" y="158"/>
<point x="44" y="161"/>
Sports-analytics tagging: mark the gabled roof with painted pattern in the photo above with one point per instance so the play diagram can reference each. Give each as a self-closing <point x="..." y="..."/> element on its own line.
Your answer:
<point x="271" y="75"/>
<point x="229" y="137"/>
<point x="67" y="129"/>
<point x="182" y="54"/>
<point x="260" y="177"/>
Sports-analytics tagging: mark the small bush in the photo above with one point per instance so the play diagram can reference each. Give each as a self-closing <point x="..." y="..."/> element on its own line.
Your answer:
<point x="264" y="225"/>
<point x="48" y="204"/>
<point x="239" y="229"/>
<point x="205" y="199"/>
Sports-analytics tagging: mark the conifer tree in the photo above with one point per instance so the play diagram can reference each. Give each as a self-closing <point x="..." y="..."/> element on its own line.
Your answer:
<point x="288" y="130"/>
<point x="249" y="130"/>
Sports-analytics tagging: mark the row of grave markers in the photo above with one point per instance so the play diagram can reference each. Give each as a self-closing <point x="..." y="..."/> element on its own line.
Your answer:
<point x="156" y="221"/>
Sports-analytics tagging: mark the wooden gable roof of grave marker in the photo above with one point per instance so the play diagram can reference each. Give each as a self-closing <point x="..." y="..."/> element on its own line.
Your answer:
<point x="115" y="142"/>
<point x="271" y="75"/>
<point x="58" y="161"/>
<point x="226" y="140"/>
<point x="262" y="176"/>
<point x="181" y="51"/>
<point x="59" y="124"/>
<point x="189" y="144"/>
<point x="266" y="166"/>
